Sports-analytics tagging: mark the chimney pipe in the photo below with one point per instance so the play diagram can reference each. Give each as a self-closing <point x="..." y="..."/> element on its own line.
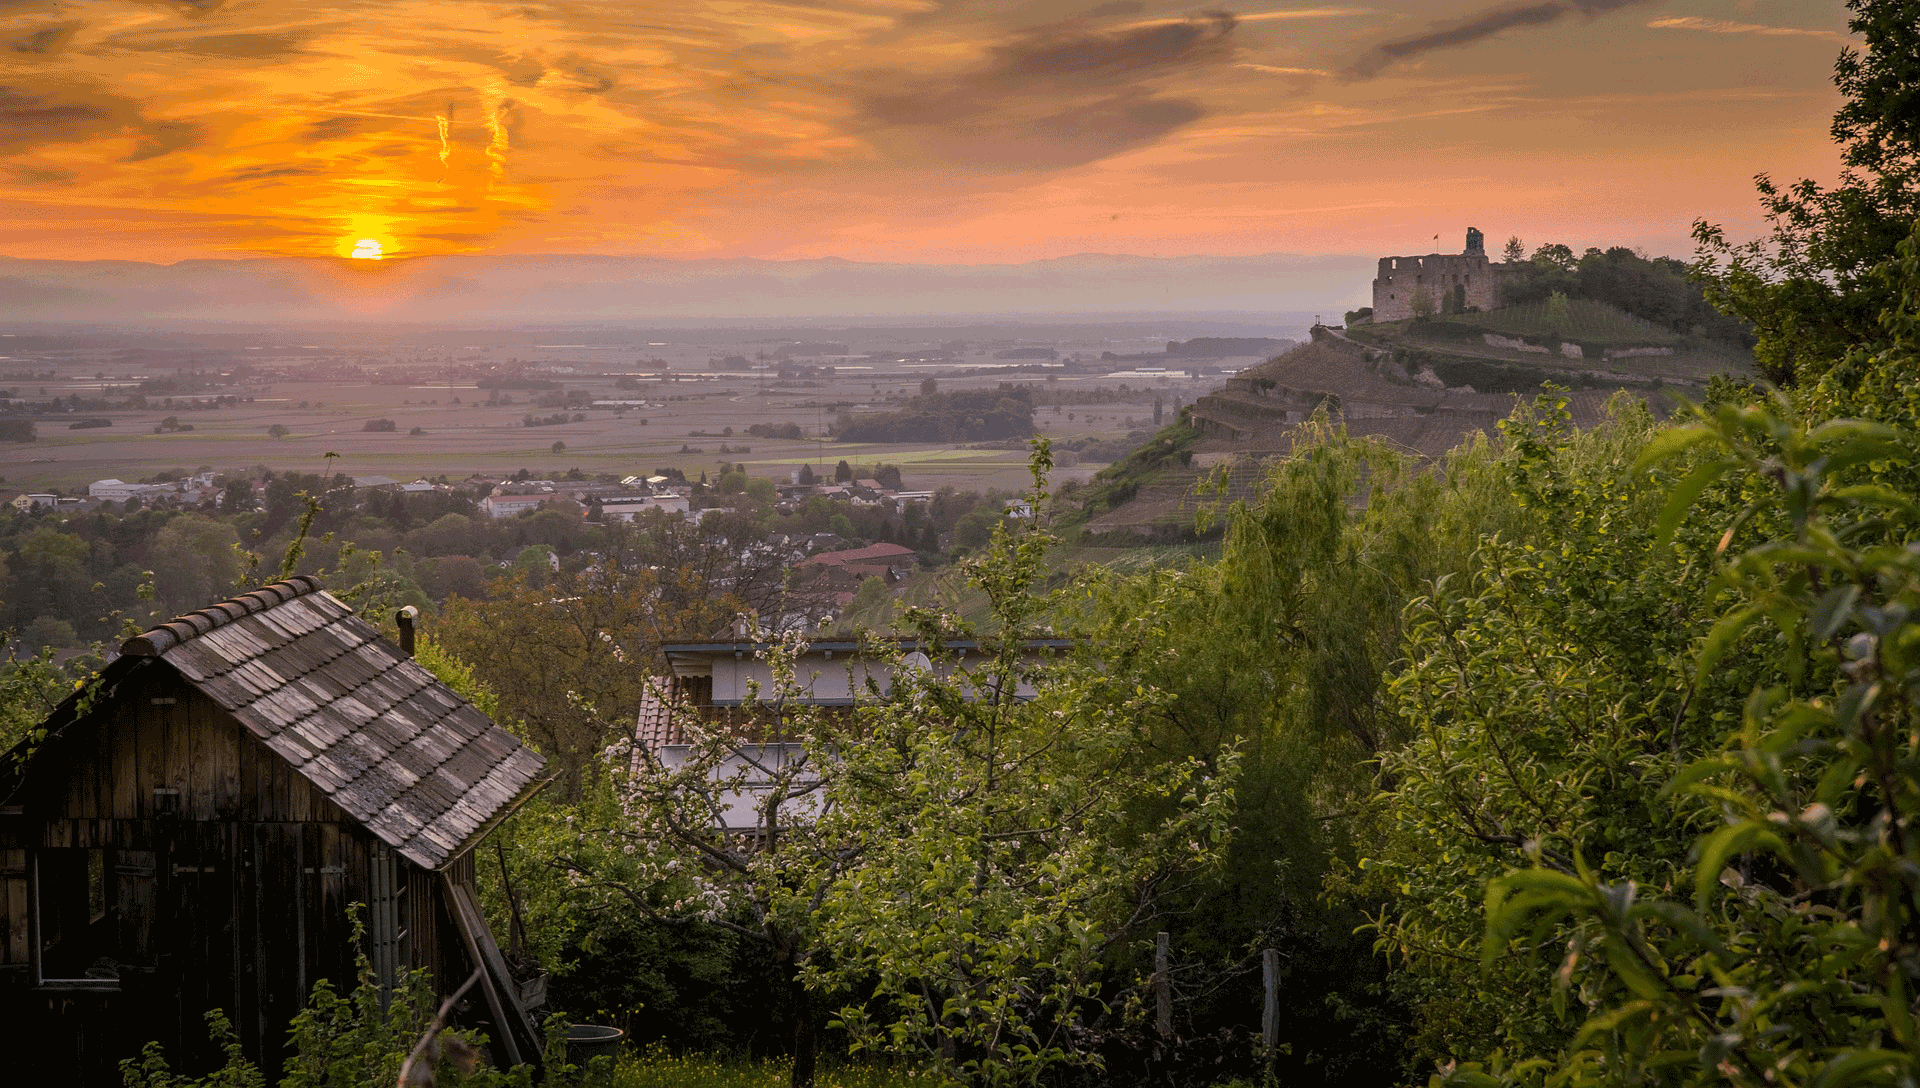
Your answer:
<point x="404" y="618"/>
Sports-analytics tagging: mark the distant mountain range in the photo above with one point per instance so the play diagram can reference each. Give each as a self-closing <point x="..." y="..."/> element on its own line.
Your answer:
<point x="599" y="289"/>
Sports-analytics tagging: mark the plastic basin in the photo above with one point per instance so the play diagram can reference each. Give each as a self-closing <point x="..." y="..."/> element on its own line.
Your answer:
<point x="588" y="1041"/>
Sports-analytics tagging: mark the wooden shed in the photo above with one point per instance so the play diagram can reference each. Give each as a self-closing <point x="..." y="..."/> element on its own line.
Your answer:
<point x="192" y="828"/>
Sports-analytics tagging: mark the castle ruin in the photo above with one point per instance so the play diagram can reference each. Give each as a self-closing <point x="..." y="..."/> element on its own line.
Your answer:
<point x="1439" y="283"/>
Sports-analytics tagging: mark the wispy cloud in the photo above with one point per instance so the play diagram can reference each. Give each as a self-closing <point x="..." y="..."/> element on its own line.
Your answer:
<point x="1476" y="27"/>
<point x="1053" y="97"/>
<point x="1287" y="15"/>
<point x="1723" y="26"/>
<point x="1280" y="70"/>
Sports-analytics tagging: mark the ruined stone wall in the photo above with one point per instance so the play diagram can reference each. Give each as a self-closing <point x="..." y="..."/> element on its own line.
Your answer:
<point x="1449" y="283"/>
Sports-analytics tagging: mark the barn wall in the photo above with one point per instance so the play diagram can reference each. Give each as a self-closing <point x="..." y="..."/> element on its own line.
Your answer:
<point x="229" y="878"/>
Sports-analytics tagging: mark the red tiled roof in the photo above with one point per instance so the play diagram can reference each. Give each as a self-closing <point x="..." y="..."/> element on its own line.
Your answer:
<point x="870" y="554"/>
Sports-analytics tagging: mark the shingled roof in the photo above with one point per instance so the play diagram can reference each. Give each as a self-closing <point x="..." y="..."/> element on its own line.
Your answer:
<point x="353" y="714"/>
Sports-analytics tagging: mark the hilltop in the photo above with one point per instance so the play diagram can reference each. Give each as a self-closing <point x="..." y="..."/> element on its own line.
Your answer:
<point x="1423" y="384"/>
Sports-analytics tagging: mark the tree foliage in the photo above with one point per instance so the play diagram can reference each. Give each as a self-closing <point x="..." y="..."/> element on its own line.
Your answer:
<point x="949" y="865"/>
<point x="1811" y="289"/>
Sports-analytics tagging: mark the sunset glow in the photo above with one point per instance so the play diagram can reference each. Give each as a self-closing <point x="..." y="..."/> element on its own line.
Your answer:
<point x="957" y="131"/>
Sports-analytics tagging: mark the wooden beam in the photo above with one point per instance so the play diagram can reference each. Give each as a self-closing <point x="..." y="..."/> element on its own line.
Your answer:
<point x="497" y="984"/>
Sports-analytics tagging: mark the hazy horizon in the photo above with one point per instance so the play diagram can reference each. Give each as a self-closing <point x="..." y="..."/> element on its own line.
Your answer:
<point x="604" y="288"/>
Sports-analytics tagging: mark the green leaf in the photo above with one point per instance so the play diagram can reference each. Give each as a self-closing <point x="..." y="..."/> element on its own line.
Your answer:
<point x="1681" y="498"/>
<point x="1724" y="844"/>
<point x="1858" y="1066"/>
<point x="1832" y="610"/>
<point x="1876" y="495"/>
<point x="1671" y="442"/>
<point x="1721" y="637"/>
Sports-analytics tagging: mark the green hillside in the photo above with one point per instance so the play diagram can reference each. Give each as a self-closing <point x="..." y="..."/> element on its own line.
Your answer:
<point x="1580" y="319"/>
<point x="1577" y="343"/>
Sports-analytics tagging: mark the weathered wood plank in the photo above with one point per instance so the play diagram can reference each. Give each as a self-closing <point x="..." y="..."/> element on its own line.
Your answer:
<point x="13" y="899"/>
<point x="229" y="801"/>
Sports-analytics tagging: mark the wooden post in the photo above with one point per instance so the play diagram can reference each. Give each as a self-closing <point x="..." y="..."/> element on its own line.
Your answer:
<point x="1162" y="989"/>
<point x="1270" y="1013"/>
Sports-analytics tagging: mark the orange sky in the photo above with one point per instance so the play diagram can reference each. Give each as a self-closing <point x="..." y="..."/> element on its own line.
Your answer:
<point x="904" y="130"/>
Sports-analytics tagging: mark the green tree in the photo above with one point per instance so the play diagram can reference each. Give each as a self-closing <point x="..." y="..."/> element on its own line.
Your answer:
<point x="872" y="594"/>
<point x="195" y="562"/>
<point x="1811" y="290"/>
<point x="948" y="848"/>
<point x="237" y="496"/>
<point x="1795" y="960"/>
<point x="1554" y="256"/>
<point x="50" y="631"/>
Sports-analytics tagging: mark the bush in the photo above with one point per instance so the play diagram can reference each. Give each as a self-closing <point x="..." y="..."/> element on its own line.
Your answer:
<point x="352" y="1041"/>
<point x="379" y="425"/>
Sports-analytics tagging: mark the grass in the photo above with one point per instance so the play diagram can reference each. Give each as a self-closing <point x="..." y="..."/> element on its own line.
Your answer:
<point x="656" y="1068"/>
<point x="1574" y="319"/>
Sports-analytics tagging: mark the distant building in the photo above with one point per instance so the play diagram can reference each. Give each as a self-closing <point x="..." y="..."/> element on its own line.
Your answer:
<point x="628" y="507"/>
<point x="1439" y="283"/>
<point x="882" y="560"/>
<point x="506" y="506"/>
<point x="115" y="490"/>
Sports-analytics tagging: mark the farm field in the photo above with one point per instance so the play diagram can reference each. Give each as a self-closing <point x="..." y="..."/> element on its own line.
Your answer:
<point x="679" y="414"/>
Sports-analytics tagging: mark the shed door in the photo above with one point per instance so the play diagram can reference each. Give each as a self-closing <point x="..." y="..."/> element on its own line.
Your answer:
<point x="198" y="915"/>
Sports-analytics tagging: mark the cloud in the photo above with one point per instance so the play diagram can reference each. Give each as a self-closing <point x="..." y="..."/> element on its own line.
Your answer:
<point x="238" y="45"/>
<point x="38" y="175"/>
<point x="332" y="128"/>
<point x="1474" y="28"/>
<point x="163" y="138"/>
<point x="1053" y="97"/>
<point x="1279" y="70"/>
<point x="30" y="118"/>
<point x="45" y="41"/>
<point x="189" y="9"/>
<point x="1107" y="57"/>
<point x="1722" y="26"/>
<point x="262" y="173"/>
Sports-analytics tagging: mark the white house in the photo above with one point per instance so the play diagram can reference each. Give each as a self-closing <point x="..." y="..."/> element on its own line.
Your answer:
<point x="506" y="506"/>
<point x="628" y="507"/>
<point x="713" y="684"/>
<point x="114" y="490"/>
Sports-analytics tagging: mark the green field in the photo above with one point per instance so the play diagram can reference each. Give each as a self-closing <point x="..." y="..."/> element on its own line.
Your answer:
<point x="1570" y="319"/>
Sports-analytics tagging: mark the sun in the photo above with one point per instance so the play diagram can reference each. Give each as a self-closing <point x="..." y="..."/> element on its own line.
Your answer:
<point x="367" y="249"/>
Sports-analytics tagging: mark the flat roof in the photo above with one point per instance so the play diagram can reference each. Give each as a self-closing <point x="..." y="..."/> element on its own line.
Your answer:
<point x="838" y="645"/>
